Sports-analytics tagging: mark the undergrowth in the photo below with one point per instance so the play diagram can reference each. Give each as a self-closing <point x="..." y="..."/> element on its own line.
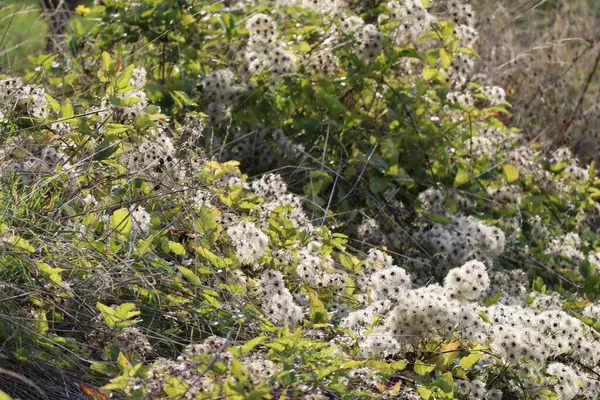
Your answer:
<point x="289" y="199"/>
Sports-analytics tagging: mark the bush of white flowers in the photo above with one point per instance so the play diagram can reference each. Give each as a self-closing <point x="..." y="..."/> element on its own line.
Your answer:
<point x="394" y="238"/>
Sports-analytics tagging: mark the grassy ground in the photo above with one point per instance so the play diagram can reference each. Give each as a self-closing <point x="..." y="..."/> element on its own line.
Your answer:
<point x="23" y="31"/>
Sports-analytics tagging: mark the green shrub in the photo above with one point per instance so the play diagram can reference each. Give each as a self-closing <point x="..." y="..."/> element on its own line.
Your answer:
<point x="433" y="251"/>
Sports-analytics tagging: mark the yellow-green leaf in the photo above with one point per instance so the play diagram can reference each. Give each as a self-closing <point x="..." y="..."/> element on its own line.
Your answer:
<point x="219" y="262"/>
<point x="304" y="47"/>
<point x="124" y="77"/>
<point x="21" y="243"/>
<point x="470" y="360"/>
<point x="469" y="52"/>
<point x="123" y="362"/>
<point x="66" y="111"/>
<point x="422" y="368"/>
<point x="425" y="392"/>
<point x="41" y="321"/>
<point x="398" y="365"/>
<point x="106" y="61"/>
<point x="317" y="311"/>
<point x="429" y="73"/>
<point x="449" y="353"/>
<point x="52" y="273"/>
<point x="189" y="275"/>
<point x="276" y="346"/>
<point x="445" y="58"/>
<point x="177" y="248"/>
<point x="174" y="388"/>
<point x="461" y="178"/>
<point x="120" y="221"/>
<point x="251" y="344"/>
<point x="510" y="172"/>
<point x="352" y="364"/>
<point x="143" y="246"/>
<point x="125" y="311"/>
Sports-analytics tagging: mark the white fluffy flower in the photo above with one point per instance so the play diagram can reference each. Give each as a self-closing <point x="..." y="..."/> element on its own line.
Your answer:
<point x="467" y="282"/>
<point x="140" y="220"/>
<point x="249" y="241"/>
<point x="276" y="300"/>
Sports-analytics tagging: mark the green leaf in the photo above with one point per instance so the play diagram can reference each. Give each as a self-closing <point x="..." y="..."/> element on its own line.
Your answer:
<point x="445" y="382"/>
<point x="118" y="383"/>
<point x="52" y="273"/>
<point x="206" y="224"/>
<point x="176" y="248"/>
<point x="125" y="311"/>
<point x="116" y="131"/>
<point x="276" y="346"/>
<point x="377" y="184"/>
<point x="41" y="321"/>
<point x="54" y="105"/>
<point x="460" y="373"/>
<point x="21" y="243"/>
<point x="438" y="219"/>
<point x="105" y="72"/>
<point x="189" y="275"/>
<point x="124" y="77"/>
<point x="352" y="364"/>
<point x="211" y="299"/>
<point x="123" y="362"/>
<point x="349" y="261"/>
<point x="219" y="262"/>
<point x="461" y="177"/>
<point x="105" y="149"/>
<point x="125" y="101"/>
<point x="484" y="317"/>
<point x="429" y="73"/>
<point x="323" y="372"/>
<point x="381" y="366"/>
<point x="332" y="104"/>
<point x="120" y="317"/>
<point x="510" y="172"/>
<point x="538" y="285"/>
<point x="469" y="52"/>
<point x="143" y="246"/>
<point x="422" y="368"/>
<point x="491" y="300"/>
<point x="237" y="370"/>
<point x="251" y="344"/>
<point x="120" y="221"/>
<point x="445" y="58"/>
<point x="181" y="99"/>
<point x="398" y="365"/>
<point x="317" y="311"/>
<point x="410" y="53"/>
<point x="174" y="387"/>
<point x="66" y="111"/>
<point x="106" y="61"/>
<point x="557" y="167"/>
<point x="425" y="392"/>
<point x="304" y="47"/>
<point x="432" y="56"/>
<point x="470" y="360"/>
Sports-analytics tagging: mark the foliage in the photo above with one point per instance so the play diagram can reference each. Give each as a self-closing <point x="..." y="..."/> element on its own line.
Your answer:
<point x="434" y="251"/>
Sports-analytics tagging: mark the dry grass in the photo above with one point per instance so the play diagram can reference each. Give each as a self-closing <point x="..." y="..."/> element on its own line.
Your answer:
<point x="544" y="53"/>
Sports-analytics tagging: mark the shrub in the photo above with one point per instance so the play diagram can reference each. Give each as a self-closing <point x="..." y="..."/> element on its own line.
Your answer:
<point x="434" y="251"/>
